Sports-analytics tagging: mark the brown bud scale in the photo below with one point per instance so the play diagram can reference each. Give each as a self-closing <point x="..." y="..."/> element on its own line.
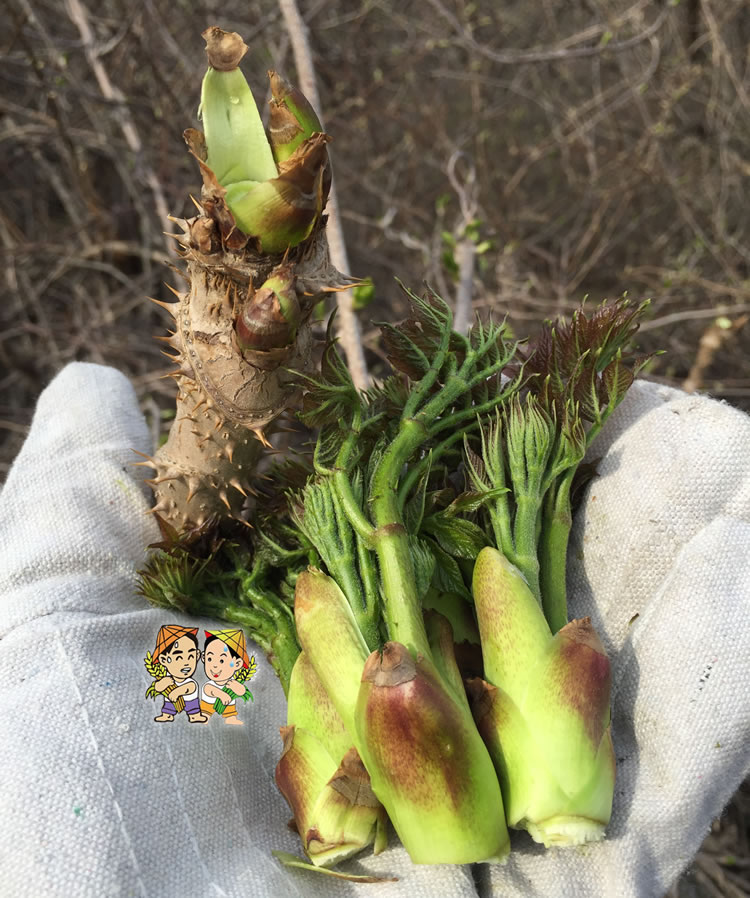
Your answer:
<point x="224" y="49"/>
<point x="353" y="781"/>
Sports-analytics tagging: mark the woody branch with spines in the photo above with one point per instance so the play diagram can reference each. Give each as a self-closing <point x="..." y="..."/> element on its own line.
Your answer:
<point x="256" y="263"/>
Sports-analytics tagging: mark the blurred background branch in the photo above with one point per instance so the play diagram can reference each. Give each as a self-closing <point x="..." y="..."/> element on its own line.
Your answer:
<point x="348" y="328"/>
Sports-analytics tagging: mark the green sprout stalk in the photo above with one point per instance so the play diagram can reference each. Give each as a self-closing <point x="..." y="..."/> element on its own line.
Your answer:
<point x="388" y="680"/>
<point x="322" y="777"/>
<point x="543" y="711"/>
<point x="580" y="372"/>
<point x="542" y="705"/>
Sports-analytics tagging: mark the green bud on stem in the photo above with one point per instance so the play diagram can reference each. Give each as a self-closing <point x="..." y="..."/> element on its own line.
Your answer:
<point x="328" y="633"/>
<point x="427" y="763"/>
<point x="545" y="715"/>
<point x="293" y="119"/>
<point x="283" y="211"/>
<point x="334" y="808"/>
<point x="236" y="143"/>
<point x="268" y="319"/>
<point x="279" y="207"/>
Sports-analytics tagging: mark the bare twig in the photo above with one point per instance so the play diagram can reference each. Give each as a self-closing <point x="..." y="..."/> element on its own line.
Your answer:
<point x="692" y="315"/>
<point x="79" y="17"/>
<point x="348" y="325"/>
<point x="714" y="337"/>
<point x="466" y="250"/>
<point x="553" y="54"/>
<point x="716" y="880"/>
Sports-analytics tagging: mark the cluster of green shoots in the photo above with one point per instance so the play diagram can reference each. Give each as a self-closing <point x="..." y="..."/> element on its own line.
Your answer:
<point x="406" y="579"/>
<point x="407" y="582"/>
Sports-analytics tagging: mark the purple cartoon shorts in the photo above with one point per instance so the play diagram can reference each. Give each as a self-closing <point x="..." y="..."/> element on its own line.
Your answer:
<point x="192" y="706"/>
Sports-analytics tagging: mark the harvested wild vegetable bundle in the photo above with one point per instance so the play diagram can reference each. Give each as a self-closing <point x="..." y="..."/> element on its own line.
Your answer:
<point x="392" y="565"/>
<point x="407" y="580"/>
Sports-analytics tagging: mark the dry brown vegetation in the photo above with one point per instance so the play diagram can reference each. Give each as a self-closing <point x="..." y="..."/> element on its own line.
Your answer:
<point x="515" y="153"/>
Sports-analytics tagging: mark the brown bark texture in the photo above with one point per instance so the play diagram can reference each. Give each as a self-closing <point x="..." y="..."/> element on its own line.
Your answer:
<point x="228" y="396"/>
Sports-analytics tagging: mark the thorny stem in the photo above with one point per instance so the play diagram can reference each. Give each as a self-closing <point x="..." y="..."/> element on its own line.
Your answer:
<point x="342" y="484"/>
<point x="424" y="417"/>
<point x="369" y="576"/>
<point x="402" y="609"/>
<point x="337" y="526"/>
<point x="362" y="527"/>
<point x="355" y="584"/>
<point x="391" y="540"/>
<point x="417" y="469"/>
<point x="283" y="635"/>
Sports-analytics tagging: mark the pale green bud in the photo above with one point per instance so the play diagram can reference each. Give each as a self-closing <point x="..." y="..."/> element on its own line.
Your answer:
<point x="545" y="713"/>
<point x="427" y="762"/>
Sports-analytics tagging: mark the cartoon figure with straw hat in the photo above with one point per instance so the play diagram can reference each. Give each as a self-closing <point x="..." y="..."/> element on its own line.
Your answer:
<point x="172" y="665"/>
<point x="227" y="668"/>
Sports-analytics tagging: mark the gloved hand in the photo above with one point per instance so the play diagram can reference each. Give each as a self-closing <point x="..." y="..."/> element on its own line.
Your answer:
<point x="100" y="800"/>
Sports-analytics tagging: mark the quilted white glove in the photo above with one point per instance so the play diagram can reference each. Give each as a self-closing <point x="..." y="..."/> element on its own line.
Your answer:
<point x="98" y="800"/>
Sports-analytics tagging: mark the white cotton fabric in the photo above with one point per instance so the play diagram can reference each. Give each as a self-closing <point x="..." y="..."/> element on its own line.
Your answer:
<point x="98" y="800"/>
